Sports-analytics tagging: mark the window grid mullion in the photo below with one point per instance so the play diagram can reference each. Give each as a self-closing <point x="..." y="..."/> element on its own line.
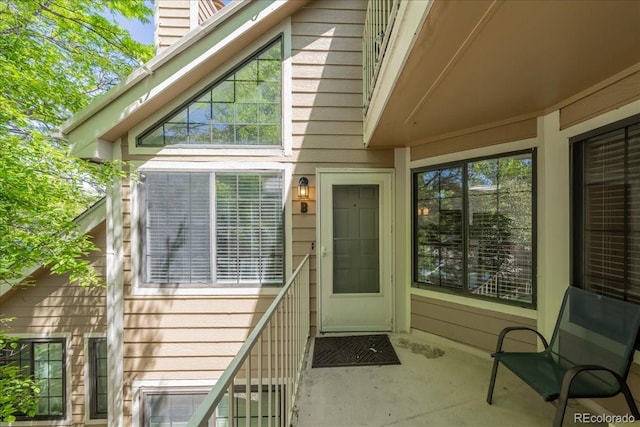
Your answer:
<point x="465" y="227"/>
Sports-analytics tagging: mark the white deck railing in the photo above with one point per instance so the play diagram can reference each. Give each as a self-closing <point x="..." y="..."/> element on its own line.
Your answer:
<point x="489" y="287"/>
<point x="270" y="361"/>
<point x="378" y="24"/>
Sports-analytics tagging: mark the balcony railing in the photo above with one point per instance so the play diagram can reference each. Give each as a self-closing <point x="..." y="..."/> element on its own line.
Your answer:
<point x="270" y="361"/>
<point x="378" y="24"/>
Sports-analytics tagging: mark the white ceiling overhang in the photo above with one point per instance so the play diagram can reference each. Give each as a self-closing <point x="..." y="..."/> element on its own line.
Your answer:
<point x="483" y="62"/>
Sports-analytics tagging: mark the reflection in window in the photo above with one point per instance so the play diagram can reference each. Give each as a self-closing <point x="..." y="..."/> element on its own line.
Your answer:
<point x="242" y="108"/>
<point x="173" y="407"/>
<point x="44" y="361"/>
<point x="473" y="227"/>
<point x="439" y="227"/>
<point x="99" y="378"/>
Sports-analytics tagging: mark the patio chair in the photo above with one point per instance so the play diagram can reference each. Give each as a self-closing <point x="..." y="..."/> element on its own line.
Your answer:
<point x="589" y="354"/>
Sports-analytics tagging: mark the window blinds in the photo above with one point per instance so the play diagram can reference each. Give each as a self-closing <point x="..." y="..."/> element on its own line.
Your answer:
<point x="177" y="245"/>
<point x="608" y="244"/>
<point x="227" y="234"/>
<point x="249" y="237"/>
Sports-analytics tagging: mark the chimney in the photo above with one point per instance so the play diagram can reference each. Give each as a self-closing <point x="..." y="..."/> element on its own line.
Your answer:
<point x="175" y="18"/>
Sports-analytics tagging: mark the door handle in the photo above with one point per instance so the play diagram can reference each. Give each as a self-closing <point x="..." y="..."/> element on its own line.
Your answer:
<point x="323" y="251"/>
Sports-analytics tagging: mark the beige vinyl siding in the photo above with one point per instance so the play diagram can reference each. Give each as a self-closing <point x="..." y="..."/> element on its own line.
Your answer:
<point x="55" y="306"/>
<point x="487" y="136"/>
<point x="609" y="95"/>
<point x="327" y="109"/>
<point x="180" y="337"/>
<point x="173" y="20"/>
<point x="206" y="8"/>
<point x="469" y="325"/>
<point x="177" y="337"/>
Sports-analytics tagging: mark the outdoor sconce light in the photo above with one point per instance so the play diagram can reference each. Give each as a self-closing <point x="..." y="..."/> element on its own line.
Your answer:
<point x="303" y="193"/>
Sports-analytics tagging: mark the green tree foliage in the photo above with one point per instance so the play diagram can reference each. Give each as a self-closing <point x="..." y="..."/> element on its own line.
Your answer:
<point x="55" y="56"/>
<point x="19" y="393"/>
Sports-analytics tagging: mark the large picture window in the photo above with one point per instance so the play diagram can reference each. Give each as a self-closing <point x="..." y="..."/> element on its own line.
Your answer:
<point x="213" y="228"/>
<point x="473" y="227"/>
<point x="43" y="360"/>
<point x="606" y="210"/>
<point x="242" y="108"/>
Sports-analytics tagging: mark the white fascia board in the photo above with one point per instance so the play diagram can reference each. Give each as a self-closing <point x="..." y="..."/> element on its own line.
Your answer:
<point x="86" y="221"/>
<point x="149" y="83"/>
<point x="408" y="24"/>
<point x="154" y="63"/>
<point x="98" y="150"/>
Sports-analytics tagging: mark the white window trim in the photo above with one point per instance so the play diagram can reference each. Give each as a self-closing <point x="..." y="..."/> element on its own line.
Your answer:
<point x="87" y="378"/>
<point x="138" y="386"/>
<point x="68" y="385"/>
<point x="136" y="238"/>
<point x="286" y="149"/>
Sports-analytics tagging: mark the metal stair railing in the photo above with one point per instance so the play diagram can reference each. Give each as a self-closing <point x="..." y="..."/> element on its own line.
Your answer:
<point x="277" y="345"/>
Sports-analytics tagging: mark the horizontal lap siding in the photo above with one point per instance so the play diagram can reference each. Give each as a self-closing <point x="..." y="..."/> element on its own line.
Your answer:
<point x="182" y="338"/>
<point x="614" y="95"/>
<point x="54" y="306"/>
<point x="327" y="108"/>
<point x="469" y="325"/>
<point x="174" y="20"/>
<point x="176" y="337"/>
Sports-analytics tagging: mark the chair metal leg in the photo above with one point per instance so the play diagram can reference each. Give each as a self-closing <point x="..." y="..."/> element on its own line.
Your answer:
<point x="630" y="401"/>
<point x="560" y="410"/>
<point x="492" y="382"/>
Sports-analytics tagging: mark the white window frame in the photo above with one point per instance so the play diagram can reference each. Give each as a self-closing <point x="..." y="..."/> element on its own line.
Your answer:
<point x="139" y="387"/>
<point x="88" y="379"/>
<point x="230" y="166"/>
<point x="286" y="149"/>
<point x="68" y="384"/>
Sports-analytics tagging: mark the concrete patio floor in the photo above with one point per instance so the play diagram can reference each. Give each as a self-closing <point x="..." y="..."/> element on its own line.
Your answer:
<point x="439" y="383"/>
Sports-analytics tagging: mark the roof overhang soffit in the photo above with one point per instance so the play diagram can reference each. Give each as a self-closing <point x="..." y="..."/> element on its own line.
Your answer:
<point x="170" y="74"/>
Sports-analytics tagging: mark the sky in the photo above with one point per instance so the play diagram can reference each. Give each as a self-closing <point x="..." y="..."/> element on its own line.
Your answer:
<point x="140" y="31"/>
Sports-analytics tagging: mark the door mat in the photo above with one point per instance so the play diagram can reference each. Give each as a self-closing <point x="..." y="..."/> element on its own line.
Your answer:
<point x="357" y="350"/>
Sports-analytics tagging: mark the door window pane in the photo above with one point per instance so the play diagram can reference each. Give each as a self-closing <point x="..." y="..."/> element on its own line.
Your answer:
<point x="356" y="263"/>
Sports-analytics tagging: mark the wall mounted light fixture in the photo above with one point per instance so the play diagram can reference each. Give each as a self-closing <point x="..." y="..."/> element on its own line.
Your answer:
<point x="303" y="193"/>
